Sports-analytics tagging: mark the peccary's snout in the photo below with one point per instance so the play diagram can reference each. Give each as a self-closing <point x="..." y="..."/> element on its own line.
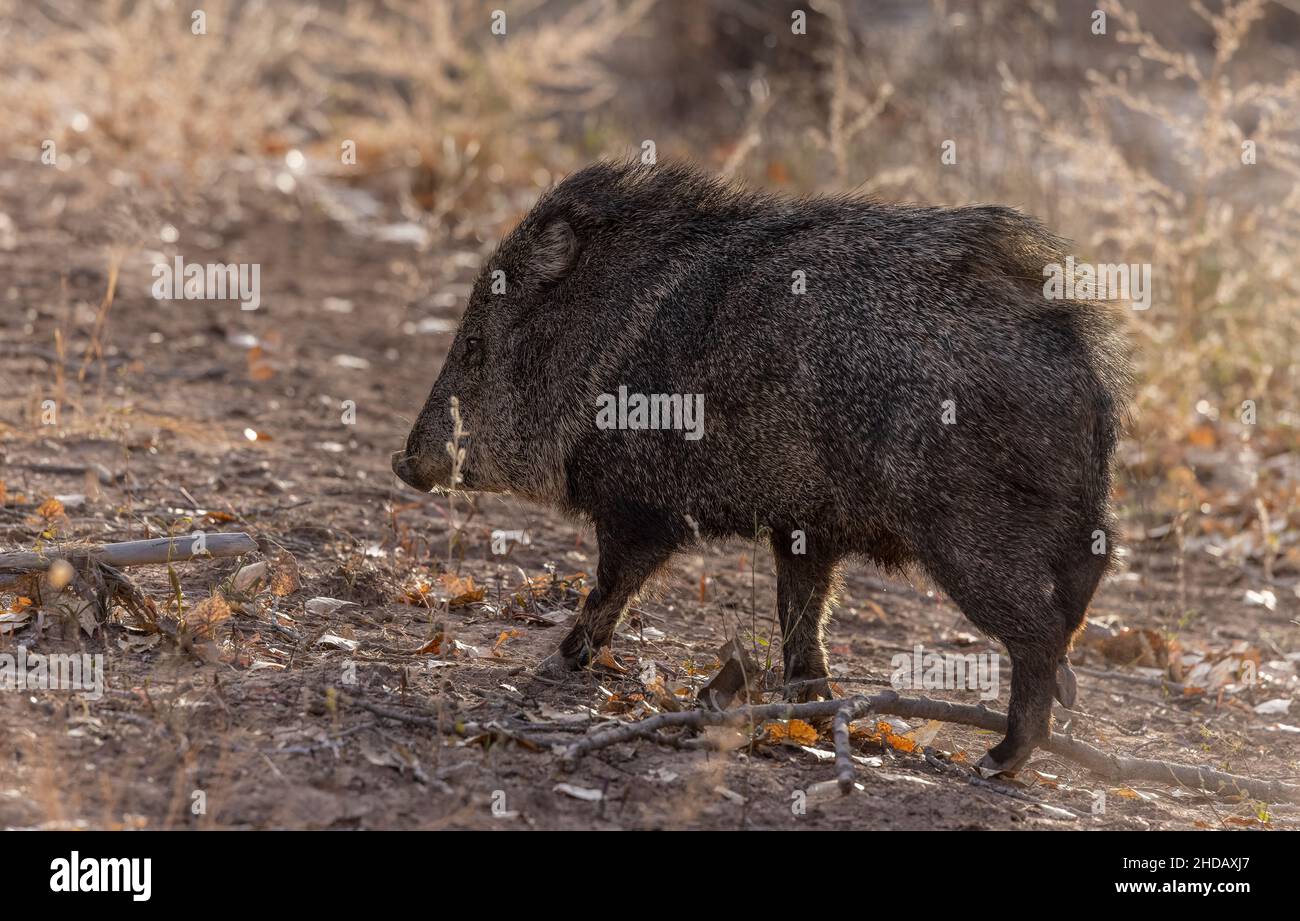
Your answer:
<point x="418" y="472"/>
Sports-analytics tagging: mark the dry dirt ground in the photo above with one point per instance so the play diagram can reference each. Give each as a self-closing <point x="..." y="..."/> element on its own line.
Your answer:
<point x="264" y="712"/>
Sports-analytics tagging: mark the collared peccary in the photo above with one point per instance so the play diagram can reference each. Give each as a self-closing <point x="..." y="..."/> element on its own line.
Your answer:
<point x="880" y="381"/>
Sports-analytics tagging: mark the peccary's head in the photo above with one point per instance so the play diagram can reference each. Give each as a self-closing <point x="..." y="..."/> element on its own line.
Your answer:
<point x="492" y="372"/>
<point x="553" y="314"/>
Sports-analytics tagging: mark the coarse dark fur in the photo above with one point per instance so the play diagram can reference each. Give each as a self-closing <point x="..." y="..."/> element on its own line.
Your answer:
<point x="826" y="412"/>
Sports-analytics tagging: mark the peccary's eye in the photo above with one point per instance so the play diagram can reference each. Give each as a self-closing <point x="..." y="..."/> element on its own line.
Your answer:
<point x="472" y="346"/>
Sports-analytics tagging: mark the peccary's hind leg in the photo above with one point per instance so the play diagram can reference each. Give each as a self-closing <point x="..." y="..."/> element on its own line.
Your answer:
<point x="627" y="560"/>
<point x="1029" y="714"/>
<point x="1013" y="605"/>
<point x="805" y="584"/>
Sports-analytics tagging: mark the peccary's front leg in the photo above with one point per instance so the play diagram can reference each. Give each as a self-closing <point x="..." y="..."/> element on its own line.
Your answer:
<point x="805" y="584"/>
<point x="626" y="563"/>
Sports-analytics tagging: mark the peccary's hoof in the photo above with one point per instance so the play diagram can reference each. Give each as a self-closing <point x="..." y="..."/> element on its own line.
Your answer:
<point x="1007" y="757"/>
<point x="557" y="665"/>
<point x="806" y="690"/>
<point x="1067" y="688"/>
<point x="990" y="767"/>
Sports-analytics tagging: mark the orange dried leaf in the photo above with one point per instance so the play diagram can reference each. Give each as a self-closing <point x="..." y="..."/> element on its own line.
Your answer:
<point x="416" y="594"/>
<point x="502" y="638"/>
<point x="885" y="734"/>
<point x="462" y="591"/>
<point x="19" y="605"/>
<point x="605" y="659"/>
<point x="433" y="647"/>
<point x="284" y="575"/>
<point x="801" y="732"/>
<point x="794" y="732"/>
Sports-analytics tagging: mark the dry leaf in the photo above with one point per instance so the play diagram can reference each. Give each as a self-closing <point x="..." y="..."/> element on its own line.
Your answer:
<point x="605" y="659"/>
<point x="501" y="640"/>
<point x="801" y="732"/>
<point x="248" y="580"/>
<point x="792" y="732"/>
<point x="885" y="734"/>
<point x="203" y="619"/>
<point x="417" y="593"/>
<point x="338" y="642"/>
<point x="398" y="757"/>
<point x="461" y="591"/>
<point x="473" y="652"/>
<point x="924" y="735"/>
<point x="433" y="647"/>
<point x="324" y="607"/>
<point x="738" y="677"/>
<point x="285" y="578"/>
<point x="1146" y="648"/>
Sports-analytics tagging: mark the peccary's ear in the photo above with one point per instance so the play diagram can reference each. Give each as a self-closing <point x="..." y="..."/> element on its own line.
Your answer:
<point x="556" y="251"/>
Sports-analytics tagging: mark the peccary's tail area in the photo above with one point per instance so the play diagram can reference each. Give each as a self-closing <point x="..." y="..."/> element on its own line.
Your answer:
<point x="1017" y="247"/>
<point x="993" y="241"/>
<point x="1089" y="547"/>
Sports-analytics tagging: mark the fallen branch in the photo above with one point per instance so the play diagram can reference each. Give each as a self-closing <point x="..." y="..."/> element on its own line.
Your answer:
<point x="842" y="712"/>
<point x="138" y="552"/>
<point x="15" y="568"/>
<point x="92" y="574"/>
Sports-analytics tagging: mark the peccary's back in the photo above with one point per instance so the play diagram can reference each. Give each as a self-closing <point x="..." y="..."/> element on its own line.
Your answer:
<point x="862" y="365"/>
